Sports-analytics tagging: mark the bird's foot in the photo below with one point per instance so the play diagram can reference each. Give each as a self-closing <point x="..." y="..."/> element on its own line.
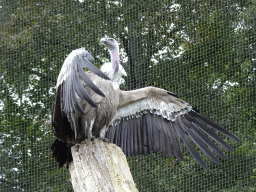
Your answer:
<point x="103" y="139"/>
<point x="91" y="138"/>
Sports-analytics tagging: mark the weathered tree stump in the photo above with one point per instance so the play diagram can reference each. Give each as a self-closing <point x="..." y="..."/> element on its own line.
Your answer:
<point x="100" y="166"/>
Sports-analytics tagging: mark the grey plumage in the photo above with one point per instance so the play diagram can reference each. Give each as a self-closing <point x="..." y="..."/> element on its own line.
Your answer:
<point x="142" y="121"/>
<point x="155" y="132"/>
<point x="82" y="98"/>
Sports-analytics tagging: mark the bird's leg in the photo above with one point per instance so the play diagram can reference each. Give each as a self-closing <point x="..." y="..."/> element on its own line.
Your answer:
<point x="102" y="134"/>
<point x="90" y="136"/>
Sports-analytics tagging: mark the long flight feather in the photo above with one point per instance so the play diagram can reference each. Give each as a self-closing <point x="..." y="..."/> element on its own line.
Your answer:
<point x="93" y="68"/>
<point x="206" y="140"/>
<point x="197" y="140"/>
<point x="188" y="144"/>
<point x="88" y="82"/>
<point x="214" y="125"/>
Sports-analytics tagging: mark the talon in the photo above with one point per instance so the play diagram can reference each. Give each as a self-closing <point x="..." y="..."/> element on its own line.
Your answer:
<point x="91" y="138"/>
<point x="104" y="139"/>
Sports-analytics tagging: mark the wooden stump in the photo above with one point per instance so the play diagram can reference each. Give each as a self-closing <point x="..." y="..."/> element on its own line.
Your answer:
<point x="100" y="167"/>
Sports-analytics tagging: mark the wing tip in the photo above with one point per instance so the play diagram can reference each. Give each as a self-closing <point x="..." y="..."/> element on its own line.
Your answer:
<point x="235" y="138"/>
<point x="100" y="93"/>
<point x="214" y="125"/>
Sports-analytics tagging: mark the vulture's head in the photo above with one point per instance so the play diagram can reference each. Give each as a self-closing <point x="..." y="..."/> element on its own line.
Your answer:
<point x="113" y="70"/>
<point x="110" y="43"/>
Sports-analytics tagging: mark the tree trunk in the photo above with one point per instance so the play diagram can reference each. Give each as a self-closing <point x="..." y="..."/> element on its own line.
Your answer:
<point x="100" y="167"/>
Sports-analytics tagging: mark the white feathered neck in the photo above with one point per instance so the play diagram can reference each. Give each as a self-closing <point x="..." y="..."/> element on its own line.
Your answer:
<point x="116" y="78"/>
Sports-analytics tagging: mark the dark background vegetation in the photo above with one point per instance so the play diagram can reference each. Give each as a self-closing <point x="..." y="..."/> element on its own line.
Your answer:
<point x="202" y="50"/>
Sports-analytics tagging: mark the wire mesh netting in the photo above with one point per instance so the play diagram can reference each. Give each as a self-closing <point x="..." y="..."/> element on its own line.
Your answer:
<point x="204" y="51"/>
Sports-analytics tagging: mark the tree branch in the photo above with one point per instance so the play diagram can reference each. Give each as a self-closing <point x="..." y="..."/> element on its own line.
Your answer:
<point x="100" y="166"/>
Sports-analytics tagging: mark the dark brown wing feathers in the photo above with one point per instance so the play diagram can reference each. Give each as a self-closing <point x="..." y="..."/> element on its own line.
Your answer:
<point x="151" y="133"/>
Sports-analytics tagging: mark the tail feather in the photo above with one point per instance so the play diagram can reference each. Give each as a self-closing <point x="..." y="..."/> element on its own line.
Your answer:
<point x="62" y="152"/>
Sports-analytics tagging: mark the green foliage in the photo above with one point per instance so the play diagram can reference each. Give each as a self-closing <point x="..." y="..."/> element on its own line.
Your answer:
<point x="253" y="188"/>
<point x="204" y="51"/>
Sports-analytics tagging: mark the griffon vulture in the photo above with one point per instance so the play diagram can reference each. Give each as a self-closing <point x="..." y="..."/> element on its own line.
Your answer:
<point x="143" y="121"/>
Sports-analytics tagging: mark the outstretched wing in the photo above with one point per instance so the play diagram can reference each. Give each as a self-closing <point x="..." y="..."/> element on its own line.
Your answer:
<point x="66" y="106"/>
<point x="157" y="124"/>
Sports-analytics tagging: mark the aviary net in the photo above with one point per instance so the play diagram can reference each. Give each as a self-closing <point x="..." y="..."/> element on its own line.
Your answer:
<point x="203" y="50"/>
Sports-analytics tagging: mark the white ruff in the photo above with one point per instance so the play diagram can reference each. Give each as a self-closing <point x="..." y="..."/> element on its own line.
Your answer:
<point x="116" y="79"/>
